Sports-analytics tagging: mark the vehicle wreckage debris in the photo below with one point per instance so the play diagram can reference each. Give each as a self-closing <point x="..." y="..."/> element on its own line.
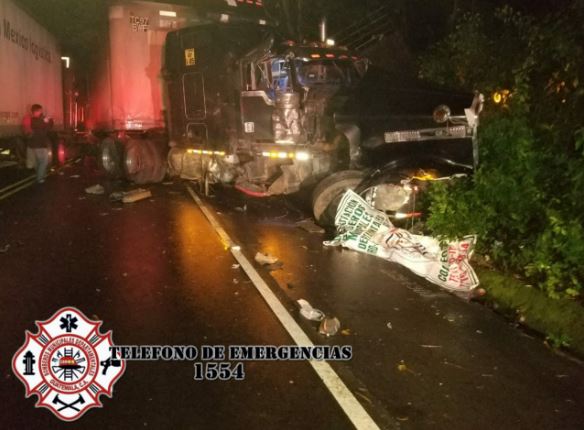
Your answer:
<point x="96" y="189"/>
<point x="265" y="259"/>
<point x="136" y="195"/>
<point x="309" y="226"/>
<point x="365" y="229"/>
<point x="329" y="326"/>
<point x="308" y="312"/>
<point x="130" y="196"/>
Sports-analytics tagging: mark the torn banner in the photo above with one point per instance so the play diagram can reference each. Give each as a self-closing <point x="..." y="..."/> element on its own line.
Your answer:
<point x="365" y="229"/>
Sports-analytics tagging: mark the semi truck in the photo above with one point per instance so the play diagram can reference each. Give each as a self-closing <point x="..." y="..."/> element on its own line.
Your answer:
<point x="270" y="116"/>
<point x="31" y="73"/>
<point x="237" y="104"/>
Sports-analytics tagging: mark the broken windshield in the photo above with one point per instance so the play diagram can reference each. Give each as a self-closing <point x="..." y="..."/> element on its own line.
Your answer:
<point x="327" y="72"/>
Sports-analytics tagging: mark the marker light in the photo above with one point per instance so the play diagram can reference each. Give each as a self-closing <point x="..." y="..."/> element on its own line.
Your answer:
<point x="205" y="152"/>
<point x="302" y="156"/>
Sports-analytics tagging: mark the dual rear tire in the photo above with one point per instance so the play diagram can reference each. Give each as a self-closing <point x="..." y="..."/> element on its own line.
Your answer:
<point x="141" y="161"/>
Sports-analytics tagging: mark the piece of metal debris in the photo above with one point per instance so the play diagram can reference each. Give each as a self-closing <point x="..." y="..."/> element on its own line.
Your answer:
<point x="308" y="312"/>
<point x="265" y="259"/>
<point x="136" y="195"/>
<point x="329" y="326"/>
<point x="309" y="226"/>
<point x="96" y="189"/>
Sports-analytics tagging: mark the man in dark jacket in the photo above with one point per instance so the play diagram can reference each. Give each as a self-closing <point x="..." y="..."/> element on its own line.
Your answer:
<point x="38" y="141"/>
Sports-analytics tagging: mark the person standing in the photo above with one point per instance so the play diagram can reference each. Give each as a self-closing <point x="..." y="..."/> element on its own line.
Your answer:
<point x="39" y="142"/>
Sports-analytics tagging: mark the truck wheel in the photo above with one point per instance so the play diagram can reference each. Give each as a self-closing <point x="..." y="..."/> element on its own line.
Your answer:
<point x="111" y="157"/>
<point x="144" y="161"/>
<point x="327" y="194"/>
<point x="400" y="201"/>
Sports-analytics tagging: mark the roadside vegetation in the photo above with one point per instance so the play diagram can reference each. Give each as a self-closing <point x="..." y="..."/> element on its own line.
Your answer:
<point x="526" y="201"/>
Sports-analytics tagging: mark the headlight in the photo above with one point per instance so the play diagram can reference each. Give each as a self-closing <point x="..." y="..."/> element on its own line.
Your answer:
<point x="441" y="114"/>
<point x="501" y="96"/>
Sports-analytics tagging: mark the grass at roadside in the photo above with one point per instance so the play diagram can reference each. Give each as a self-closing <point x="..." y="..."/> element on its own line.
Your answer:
<point x="561" y="321"/>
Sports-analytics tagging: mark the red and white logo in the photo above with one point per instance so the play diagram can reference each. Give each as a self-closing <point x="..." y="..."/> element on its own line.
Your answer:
<point x="68" y="364"/>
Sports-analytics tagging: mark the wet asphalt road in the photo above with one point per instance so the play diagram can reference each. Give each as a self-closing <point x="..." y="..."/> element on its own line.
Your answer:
<point x="156" y="273"/>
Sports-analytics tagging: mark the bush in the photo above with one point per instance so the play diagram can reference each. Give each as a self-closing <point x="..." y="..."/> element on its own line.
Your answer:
<point x="526" y="200"/>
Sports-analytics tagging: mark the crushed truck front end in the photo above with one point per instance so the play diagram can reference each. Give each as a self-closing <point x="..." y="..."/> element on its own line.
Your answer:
<point x="246" y="110"/>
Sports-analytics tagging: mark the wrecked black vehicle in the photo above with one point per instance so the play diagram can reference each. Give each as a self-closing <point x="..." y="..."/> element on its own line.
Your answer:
<point x="398" y="139"/>
<point x="272" y="117"/>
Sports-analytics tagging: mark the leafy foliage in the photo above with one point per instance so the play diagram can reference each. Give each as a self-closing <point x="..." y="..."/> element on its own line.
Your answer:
<point x="526" y="200"/>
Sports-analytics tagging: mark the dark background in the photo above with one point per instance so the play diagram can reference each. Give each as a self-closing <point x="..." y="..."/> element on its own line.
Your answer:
<point x="80" y="26"/>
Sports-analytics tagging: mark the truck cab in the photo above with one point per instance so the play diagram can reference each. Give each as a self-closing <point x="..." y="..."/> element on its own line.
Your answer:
<point x="247" y="109"/>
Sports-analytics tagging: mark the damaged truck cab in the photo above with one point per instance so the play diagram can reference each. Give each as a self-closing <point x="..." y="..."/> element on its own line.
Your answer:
<point x="247" y="110"/>
<point x="271" y="117"/>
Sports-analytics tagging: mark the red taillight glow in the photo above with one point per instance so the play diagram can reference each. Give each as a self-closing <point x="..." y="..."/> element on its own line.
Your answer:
<point x="61" y="154"/>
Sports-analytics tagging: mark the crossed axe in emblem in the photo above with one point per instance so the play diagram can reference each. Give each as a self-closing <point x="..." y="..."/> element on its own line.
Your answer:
<point x="66" y="405"/>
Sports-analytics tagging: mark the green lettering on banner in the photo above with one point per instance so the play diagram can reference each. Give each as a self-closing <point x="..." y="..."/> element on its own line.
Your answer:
<point x="362" y="244"/>
<point x="6" y="28"/>
<point x="444" y="256"/>
<point x="372" y="249"/>
<point x="443" y="274"/>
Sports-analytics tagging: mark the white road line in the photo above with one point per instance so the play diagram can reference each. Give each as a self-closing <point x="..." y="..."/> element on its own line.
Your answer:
<point x="30" y="182"/>
<point x="28" y="178"/>
<point x="350" y="405"/>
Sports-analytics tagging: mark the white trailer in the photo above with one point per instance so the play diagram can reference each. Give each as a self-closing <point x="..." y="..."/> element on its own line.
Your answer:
<point x="30" y="72"/>
<point x="126" y="91"/>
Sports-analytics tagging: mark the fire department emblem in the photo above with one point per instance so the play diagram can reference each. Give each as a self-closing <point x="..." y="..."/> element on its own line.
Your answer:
<point x="68" y="364"/>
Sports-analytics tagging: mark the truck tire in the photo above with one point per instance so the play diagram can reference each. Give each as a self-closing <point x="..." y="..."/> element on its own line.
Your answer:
<point x="144" y="161"/>
<point x="387" y="194"/>
<point x="110" y="157"/>
<point x="327" y="194"/>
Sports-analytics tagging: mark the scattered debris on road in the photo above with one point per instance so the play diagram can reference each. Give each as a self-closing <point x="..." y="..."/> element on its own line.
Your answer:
<point x="365" y="229"/>
<point x="329" y="326"/>
<point x="96" y="189"/>
<point x="265" y="259"/>
<point x="309" y="226"/>
<point x="130" y="196"/>
<point x="389" y="326"/>
<point x="136" y="195"/>
<point x="402" y="367"/>
<point x="5" y="248"/>
<point x="308" y="312"/>
<point x="235" y="266"/>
